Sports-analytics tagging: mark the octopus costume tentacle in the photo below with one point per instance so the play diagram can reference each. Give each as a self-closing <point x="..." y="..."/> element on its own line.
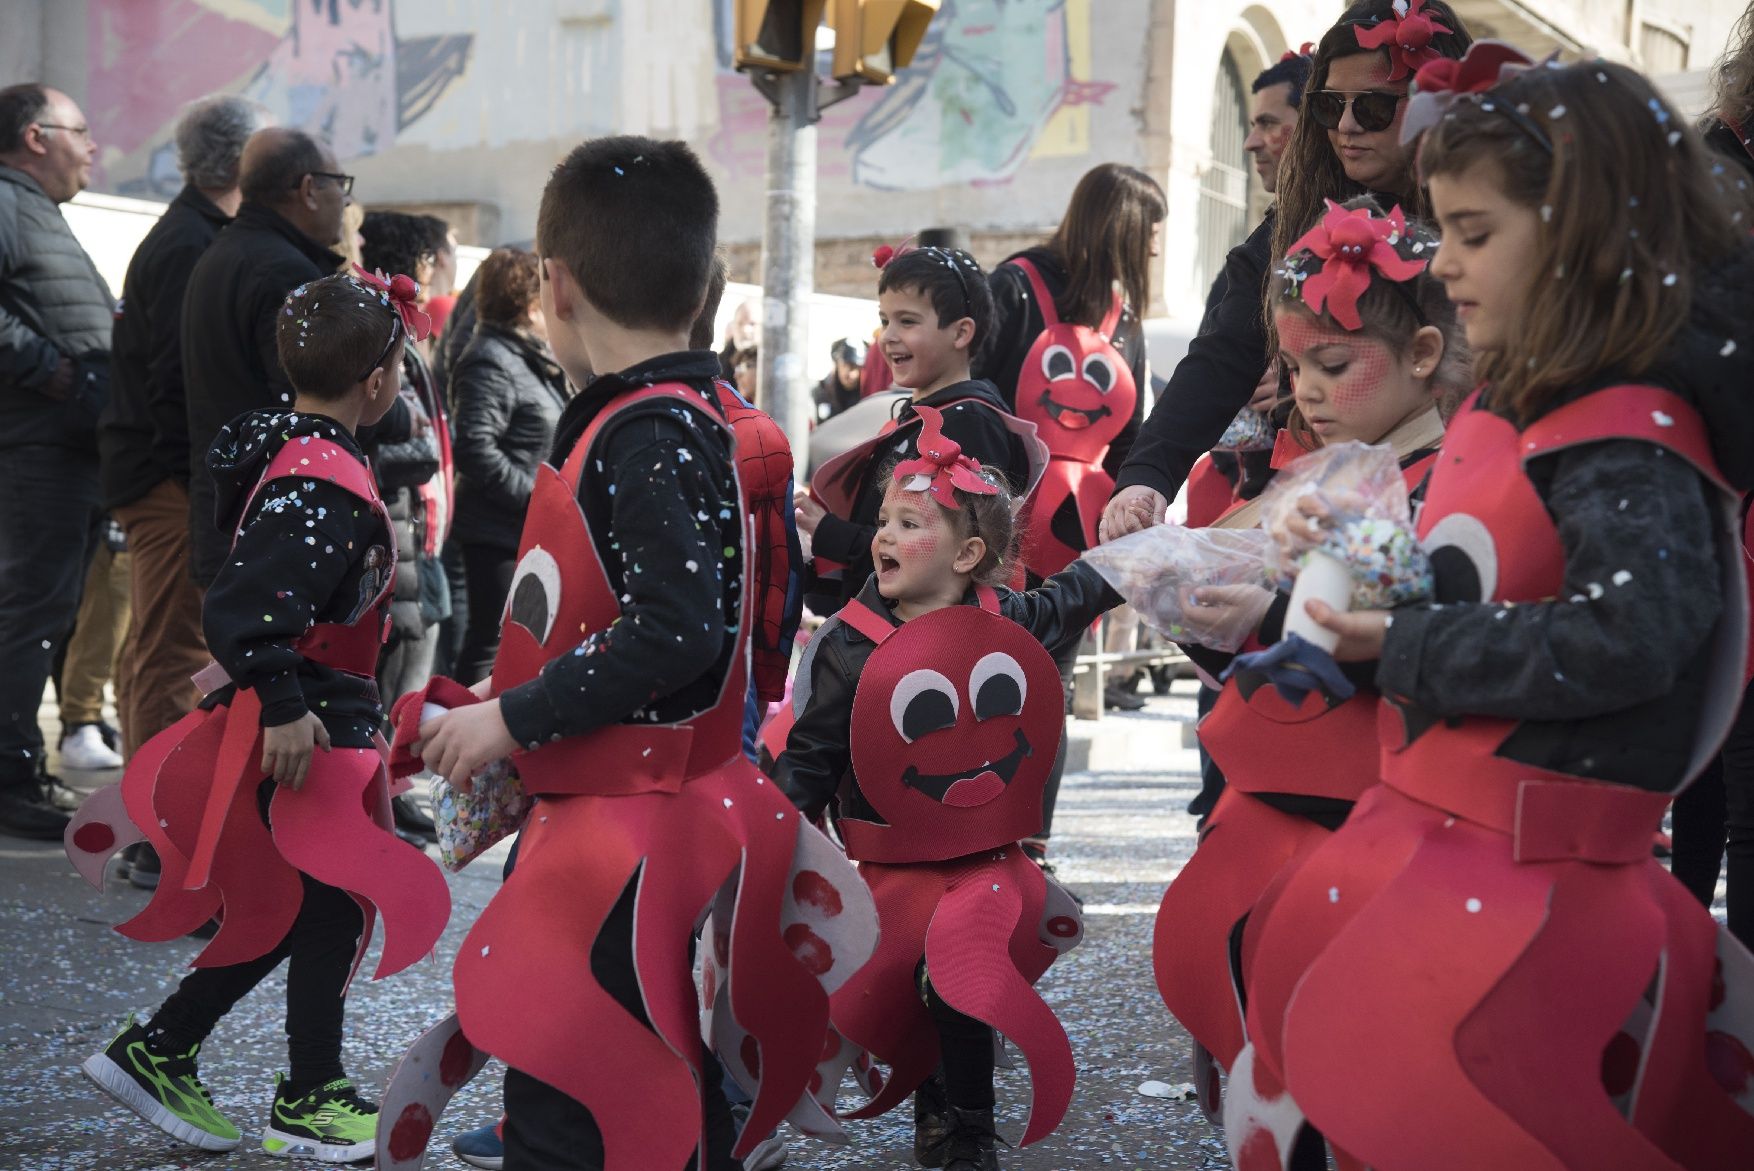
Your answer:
<point x="1077" y="390"/>
<point x="955" y="793"/>
<point x="673" y="812"/>
<point x="1500" y="883"/>
<point x="192" y="792"/>
<point x="1251" y="733"/>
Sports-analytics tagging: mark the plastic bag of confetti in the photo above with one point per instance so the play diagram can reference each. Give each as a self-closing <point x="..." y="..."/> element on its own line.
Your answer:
<point x="470" y="822"/>
<point x="1249" y="431"/>
<point x="1199" y="586"/>
<point x="1360" y="500"/>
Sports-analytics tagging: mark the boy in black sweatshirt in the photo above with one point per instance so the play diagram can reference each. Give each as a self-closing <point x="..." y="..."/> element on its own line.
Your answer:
<point x="294" y="620"/>
<point x="618" y="692"/>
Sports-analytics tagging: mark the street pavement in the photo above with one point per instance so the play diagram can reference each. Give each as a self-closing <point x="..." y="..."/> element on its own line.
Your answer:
<point x="1120" y="834"/>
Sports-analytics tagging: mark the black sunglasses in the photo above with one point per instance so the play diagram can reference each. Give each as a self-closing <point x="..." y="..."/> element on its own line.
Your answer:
<point x="345" y="182"/>
<point x="1371" y="109"/>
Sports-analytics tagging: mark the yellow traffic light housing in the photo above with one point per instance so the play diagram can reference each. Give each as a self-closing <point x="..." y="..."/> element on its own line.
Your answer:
<point x="777" y="36"/>
<point x="875" y="38"/>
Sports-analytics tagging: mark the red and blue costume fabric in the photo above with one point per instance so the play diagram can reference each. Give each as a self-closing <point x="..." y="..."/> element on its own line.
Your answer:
<point x="676" y="813"/>
<point x="1079" y="392"/>
<point x="1484" y="966"/>
<point x="192" y="792"/>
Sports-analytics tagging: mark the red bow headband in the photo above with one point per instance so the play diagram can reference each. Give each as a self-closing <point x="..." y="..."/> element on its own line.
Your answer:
<point x="1349" y="245"/>
<point x="1440" y="84"/>
<point x="941" y="468"/>
<point x="1406" y="35"/>
<point x="399" y="292"/>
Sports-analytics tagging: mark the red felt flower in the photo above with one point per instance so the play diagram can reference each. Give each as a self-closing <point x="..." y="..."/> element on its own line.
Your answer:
<point x="1350" y="244"/>
<point x="1407" y="37"/>
<point x="403" y="292"/>
<point x="1307" y="50"/>
<point x="941" y="464"/>
<point x="1477" y="72"/>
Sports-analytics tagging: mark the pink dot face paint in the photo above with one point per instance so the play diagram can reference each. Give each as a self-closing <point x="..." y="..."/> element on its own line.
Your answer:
<point x="1348" y="386"/>
<point x="914" y="550"/>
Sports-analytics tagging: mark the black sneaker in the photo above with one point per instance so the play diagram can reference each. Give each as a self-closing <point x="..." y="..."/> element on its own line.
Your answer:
<point x="931" y="1122"/>
<point x="163" y="1088"/>
<point x="411" y="823"/>
<point x="140" y="866"/>
<point x="25" y="812"/>
<point x="974" y="1141"/>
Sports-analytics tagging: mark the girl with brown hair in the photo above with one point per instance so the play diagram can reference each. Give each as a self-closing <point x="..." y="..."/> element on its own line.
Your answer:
<point x="1346" y="144"/>
<point x="1484" y="966"/>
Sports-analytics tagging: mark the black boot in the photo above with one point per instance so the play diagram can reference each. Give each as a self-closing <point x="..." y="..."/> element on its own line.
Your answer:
<point x="931" y="1122"/>
<point x="973" y="1142"/>
<point x="27" y="812"/>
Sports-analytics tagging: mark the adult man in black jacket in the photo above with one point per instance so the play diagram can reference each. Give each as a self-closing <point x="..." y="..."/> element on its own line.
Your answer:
<point x="55" y="313"/>
<point x="290" y="219"/>
<point x="143" y="437"/>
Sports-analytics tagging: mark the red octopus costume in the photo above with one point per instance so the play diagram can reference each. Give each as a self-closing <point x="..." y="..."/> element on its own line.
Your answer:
<point x="679" y="811"/>
<point x="1079" y="394"/>
<point x="1516" y="1021"/>
<point x="191" y="792"/>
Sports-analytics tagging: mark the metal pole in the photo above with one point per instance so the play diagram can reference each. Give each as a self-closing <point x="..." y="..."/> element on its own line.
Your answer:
<point x="788" y="256"/>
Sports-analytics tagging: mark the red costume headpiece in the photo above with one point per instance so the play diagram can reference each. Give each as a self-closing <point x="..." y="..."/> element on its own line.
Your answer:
<point x="941" y="468"/>
<point x="1407" y="37"/>
<point x="399" y="292"/>
<point x="1306" y="50"/>
<point x="1440" y="84"/>
<point x="1349" y="245"/>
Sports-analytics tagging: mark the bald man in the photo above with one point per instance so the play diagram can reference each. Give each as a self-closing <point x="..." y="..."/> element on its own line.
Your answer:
<point x="55" y="315"/>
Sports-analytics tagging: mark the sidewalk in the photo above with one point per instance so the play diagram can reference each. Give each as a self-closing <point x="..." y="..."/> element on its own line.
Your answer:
<point x="1121" y="833"/>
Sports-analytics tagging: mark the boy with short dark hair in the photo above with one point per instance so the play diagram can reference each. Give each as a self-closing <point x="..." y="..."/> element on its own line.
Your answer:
<point x="619" y="694"/>
<point x="286" y="853"/>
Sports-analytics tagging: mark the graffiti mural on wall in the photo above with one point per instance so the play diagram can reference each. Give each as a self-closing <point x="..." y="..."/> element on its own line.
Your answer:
<point x="995" y="83"/>
<point x="334" y="67"/>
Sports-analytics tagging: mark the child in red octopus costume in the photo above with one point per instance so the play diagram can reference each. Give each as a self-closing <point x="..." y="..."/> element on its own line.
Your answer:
<point x="1369" y="340"/>
<point x="1484" y="967"/>
<point x="930" y="718"/>
<point x="269" y="806"/>
<point x="619" y="694"/>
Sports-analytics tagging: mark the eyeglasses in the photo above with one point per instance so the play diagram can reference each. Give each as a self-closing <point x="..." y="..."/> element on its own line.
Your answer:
<point x="82" y="131"/>
<point x="1372" y="109"/>
<point x="345" y="182"/>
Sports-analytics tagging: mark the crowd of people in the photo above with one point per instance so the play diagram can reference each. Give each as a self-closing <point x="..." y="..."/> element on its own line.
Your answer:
<point x="337" y="523"/>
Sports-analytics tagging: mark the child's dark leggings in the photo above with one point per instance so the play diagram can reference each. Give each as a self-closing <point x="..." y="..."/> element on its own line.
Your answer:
<point x="547" y="1130"/>
<point x="320" y="946"/>
<point x="967" y="1051"/>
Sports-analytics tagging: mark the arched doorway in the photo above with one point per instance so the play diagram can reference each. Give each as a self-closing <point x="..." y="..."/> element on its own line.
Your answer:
<point x="1224" y="186"/>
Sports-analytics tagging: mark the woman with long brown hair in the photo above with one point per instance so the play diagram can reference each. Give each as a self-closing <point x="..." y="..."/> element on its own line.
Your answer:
<point x="1347" y="143"/>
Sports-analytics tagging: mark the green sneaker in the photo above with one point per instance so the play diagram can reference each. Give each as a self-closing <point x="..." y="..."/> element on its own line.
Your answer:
<point x="331" y="1124"/>
<point x="162" y="1088"/>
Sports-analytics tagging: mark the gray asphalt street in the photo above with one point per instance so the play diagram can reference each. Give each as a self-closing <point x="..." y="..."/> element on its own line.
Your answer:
<point x="68" y="980"/>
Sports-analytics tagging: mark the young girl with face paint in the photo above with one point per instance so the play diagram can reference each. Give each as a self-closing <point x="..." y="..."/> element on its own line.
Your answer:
<point x="929" y="714"/>
<point x="1369" y="340"/>
<point x="1484" y="966"/>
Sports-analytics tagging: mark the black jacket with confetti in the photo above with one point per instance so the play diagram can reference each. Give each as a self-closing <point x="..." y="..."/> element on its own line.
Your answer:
<point x="309" y="551"/>
<point x="660" y="494"/>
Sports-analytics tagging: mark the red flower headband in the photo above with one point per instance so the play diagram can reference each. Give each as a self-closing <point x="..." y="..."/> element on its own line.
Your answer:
<point x="941" y="468"/>
<point x="1350" y="244"/>
<point x="1440" y="84"/>
<point x="399" y="292"/>
<point x="1406" y="35"/>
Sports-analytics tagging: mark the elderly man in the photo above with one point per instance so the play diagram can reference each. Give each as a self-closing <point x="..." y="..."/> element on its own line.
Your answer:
<point x="286" y="228"/>
<point x="143" y="437"/>
<point x="55" y="314"/>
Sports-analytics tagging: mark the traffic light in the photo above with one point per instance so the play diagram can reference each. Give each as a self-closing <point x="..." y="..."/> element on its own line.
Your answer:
<point x="776" y="35"/>
<point x="874" y="38"/>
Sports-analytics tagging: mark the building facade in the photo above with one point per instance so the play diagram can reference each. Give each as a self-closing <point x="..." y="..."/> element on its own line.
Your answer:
<point x="461" y="106"/>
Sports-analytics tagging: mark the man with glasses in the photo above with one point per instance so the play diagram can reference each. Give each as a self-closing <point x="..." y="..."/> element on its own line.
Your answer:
<point x="286" y="229"/>
<point x="55" y="315"/>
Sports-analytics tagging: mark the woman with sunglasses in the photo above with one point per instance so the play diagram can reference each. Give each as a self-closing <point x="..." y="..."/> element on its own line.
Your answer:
<point x="1348" y="146"/>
